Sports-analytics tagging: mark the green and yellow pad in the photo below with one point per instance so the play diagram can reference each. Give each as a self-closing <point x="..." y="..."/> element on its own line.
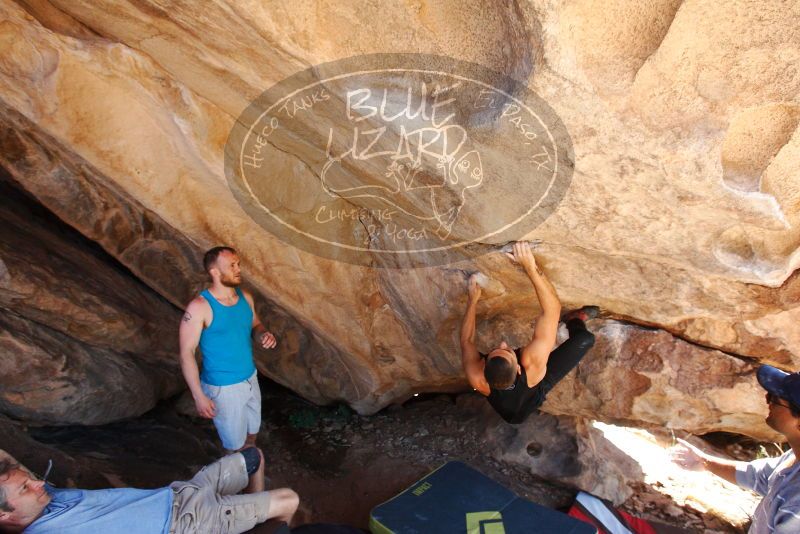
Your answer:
<point x="456" y="499"/>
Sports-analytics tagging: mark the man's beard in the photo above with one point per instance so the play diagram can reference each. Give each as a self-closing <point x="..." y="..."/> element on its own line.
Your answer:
<point x="230" y="281"/>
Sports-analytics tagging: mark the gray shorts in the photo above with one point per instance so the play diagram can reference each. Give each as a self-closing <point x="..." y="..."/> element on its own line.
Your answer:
<point x="208" y="502"/>
<point x="238" y="410"/>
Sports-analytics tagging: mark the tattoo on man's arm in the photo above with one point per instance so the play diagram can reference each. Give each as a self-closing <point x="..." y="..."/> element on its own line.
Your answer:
<point x="187" y="317"/>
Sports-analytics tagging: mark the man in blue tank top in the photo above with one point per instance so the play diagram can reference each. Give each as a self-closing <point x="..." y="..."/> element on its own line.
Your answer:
<point x="516" y="381"/>
<point x="223" y="323"/>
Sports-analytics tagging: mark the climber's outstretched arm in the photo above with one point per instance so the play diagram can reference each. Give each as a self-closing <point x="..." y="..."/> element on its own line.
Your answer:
<point x="470" y="358"/>
<point x="534" y="355"/>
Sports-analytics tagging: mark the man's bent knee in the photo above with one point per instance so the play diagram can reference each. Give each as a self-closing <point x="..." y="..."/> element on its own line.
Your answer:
<point x="252" y="459"/>
<point x="584" y="338"/>
<point x="283" y="504"/>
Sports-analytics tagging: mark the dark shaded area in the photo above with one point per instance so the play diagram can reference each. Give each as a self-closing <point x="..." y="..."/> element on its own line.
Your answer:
<point x="147" y="452"/>
<point x="83" y="340"/>
<point x="16" y="202"/>
<point x="744" y="448"/>
<point x="340" y="463"/>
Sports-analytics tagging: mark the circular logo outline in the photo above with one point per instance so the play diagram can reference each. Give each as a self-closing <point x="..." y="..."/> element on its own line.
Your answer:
<point x="320" y="81"/>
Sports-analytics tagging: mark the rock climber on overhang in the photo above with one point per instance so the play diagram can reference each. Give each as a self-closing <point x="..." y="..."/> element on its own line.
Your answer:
<point x="516" y="381"/>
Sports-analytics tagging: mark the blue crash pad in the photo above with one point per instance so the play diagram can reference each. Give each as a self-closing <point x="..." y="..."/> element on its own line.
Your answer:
<point x="456" y="499"/>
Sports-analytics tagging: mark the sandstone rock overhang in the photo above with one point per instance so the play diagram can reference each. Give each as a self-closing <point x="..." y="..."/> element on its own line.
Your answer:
<point x="680" y="216"/>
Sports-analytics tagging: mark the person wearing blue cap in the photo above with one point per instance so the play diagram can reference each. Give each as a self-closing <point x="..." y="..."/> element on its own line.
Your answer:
<point x="776" y="479"/>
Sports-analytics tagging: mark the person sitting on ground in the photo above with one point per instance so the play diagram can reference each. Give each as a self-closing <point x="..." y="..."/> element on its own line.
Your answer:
<point x="206" y="503"/>
<point x="776" y="479"/>
<point x="516" y="381"/>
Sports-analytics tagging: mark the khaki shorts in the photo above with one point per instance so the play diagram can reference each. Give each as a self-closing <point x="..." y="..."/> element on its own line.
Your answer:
<point x="208" y="502"/>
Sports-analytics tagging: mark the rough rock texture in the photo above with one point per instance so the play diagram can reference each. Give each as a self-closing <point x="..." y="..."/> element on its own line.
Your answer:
<point x="23" y="449"/>
<point x="154" y="251"/>
<point x="634" y="375"/>
<point x="82" y="340"/>
<point x="566" y="449"/>
<point x="681" y="214"/>
<point x="51" y="378"/>
<point x="55" y="276"/>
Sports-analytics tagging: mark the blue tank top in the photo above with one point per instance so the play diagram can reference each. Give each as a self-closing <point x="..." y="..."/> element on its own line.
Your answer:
<point x="225" y="343"/>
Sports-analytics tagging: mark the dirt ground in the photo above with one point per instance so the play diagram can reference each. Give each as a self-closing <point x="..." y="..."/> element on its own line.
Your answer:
<point x="341" y="464"/>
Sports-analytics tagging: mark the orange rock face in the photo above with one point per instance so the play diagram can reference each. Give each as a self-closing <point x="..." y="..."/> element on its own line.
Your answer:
<point x="680" y="214"/>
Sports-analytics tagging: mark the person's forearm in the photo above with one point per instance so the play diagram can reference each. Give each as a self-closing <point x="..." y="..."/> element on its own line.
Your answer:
<point x="258" y="331"/>
<point x="468" y="324"/>
<point x="546" y="293"/>
<point x="722" y="468"/>
<point x="191" y="373"/>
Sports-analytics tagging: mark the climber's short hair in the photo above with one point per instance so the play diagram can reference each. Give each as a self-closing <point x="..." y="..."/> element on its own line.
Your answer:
<point x="499" y="372"/>
<point x="210" y="257"/>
